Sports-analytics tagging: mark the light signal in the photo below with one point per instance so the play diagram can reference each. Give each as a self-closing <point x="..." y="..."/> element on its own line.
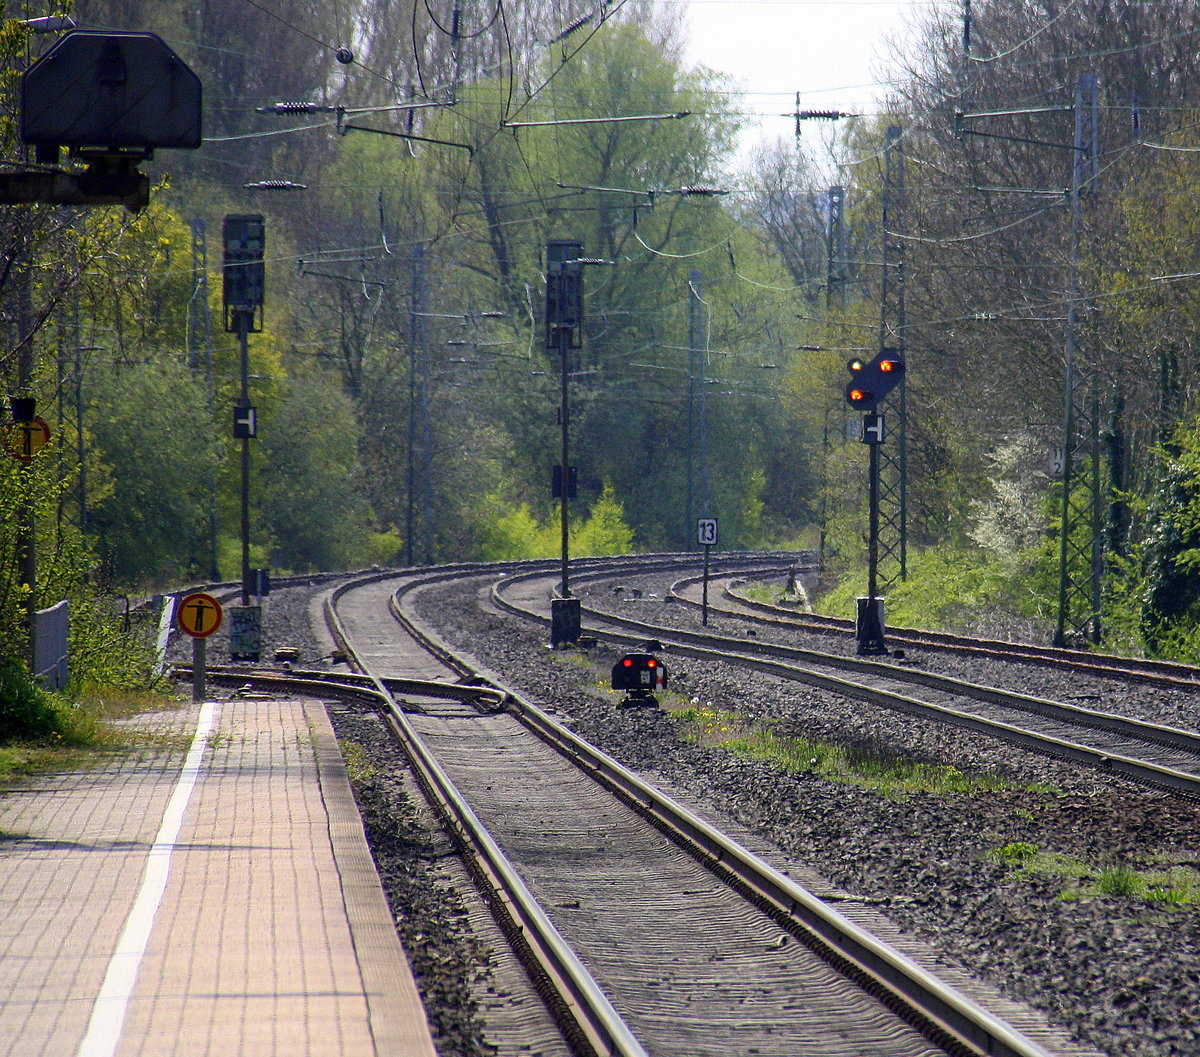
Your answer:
<point x="639" y="675"/>
<point x="871" y="382"/>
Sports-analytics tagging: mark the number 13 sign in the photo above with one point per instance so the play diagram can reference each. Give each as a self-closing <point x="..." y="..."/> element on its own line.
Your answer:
<point x="706" y="531"/>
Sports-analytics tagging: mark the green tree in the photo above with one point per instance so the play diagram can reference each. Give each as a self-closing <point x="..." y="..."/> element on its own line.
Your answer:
<point x="313" y="513"/>
<point x="1171" y="556"/>
<point x="160" y="450"/>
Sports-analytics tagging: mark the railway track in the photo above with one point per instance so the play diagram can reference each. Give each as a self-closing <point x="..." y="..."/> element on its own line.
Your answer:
<point x="737" y="603"/>
<point x="703" y="947"/>
<point x="1147" y="752"/>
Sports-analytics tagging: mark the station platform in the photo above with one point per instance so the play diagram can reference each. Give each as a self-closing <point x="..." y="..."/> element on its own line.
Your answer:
<point x="207" y="892"/>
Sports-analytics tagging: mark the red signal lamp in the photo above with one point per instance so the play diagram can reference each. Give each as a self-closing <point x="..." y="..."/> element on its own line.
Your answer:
<point x="871" y="382"/>
<point x="640" y="675"/>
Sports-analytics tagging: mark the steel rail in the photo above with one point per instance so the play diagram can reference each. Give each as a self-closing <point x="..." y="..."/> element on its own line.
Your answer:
<point x="341" y="684"/>
<point x="590" y="569"/>
<point x="1125" y="726"/>
<point x="1141" y="669"/>
<point x="699" y="647"/>
<point x="903" y="983"/>
<point x="589" y="1021"/>
<point x="881" y="969"/>
<point x="308" y="683"/>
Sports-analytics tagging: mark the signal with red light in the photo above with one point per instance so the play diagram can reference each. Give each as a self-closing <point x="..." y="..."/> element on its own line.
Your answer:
<point x="871" y="382"/>
<point x="639" y="675"/>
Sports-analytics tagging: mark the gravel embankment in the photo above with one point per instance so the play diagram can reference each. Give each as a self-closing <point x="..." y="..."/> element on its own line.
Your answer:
<point x="1121" y="972"/>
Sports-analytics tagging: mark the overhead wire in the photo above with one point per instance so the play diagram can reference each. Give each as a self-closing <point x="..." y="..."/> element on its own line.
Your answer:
<point x="467" y="36"/>
<point x="498" y="13"/>
<point x="267" y="133"/>
<point x="1032" y="37"/>
<point x="678" y="256"/>
<point x="315" y="40"/>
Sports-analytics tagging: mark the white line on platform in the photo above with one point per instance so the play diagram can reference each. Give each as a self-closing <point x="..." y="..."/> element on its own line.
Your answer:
<point x="108" y="1014"/>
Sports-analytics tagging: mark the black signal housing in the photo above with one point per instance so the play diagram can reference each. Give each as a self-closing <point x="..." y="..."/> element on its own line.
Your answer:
<point x="870" y="382"/>
<point x="639" y="675"/>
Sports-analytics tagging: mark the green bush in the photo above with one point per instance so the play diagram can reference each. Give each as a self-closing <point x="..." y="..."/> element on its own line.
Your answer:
<point x="514" y="532"/>
<point x="949" y="588"/>
<point x="26" y="712"/>
<point x="104" y="653"/>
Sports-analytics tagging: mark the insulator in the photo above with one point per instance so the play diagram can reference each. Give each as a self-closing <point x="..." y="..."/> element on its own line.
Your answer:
<point x="579" y="23"/>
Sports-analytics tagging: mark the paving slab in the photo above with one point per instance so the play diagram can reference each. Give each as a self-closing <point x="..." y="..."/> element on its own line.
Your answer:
<point x="207" y="892"/>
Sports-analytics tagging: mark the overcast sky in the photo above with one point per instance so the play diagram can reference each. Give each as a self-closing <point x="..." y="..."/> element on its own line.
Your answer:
<point x="830" y="51"/>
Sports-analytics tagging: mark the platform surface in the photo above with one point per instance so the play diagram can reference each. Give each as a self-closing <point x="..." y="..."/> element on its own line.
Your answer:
<point x="209" y="892"/>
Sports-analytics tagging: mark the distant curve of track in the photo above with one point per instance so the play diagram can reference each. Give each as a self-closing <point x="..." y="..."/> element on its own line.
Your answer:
<point x="1141" y="669"/>
<point x="1148" y="752"/>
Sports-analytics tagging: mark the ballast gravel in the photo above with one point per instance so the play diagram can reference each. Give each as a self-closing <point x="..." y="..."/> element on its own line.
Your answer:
<point x="1120" y="972"/>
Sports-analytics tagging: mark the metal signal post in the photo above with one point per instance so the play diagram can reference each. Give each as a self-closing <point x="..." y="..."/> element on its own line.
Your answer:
<point x="870" y="382"/>
<point x="706" y="536"/>
<point x="564" y="324"/>
<point x="869" y="622"/>
<point x="244" y="279"/>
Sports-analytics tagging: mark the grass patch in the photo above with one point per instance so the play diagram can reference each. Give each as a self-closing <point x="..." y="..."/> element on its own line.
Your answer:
<point x="1029" y="859"/>
<point x="1175" y="885"/>
<point x="889" y="777"/>
<point x="358" y="765"/>
<point x="771" y="594"/>
<point x="18" y="759"/>
<point x="572" y="657"/>
<point x="85" y="730"/>
<point x="110" y="703"/>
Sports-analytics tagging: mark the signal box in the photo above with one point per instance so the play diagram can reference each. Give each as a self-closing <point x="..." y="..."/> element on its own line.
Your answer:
<point x="110" y="93"/>
<point x="639" y="675"/>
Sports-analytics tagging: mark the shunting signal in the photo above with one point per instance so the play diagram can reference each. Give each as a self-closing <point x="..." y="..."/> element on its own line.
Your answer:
<point x="639" y="675"/>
